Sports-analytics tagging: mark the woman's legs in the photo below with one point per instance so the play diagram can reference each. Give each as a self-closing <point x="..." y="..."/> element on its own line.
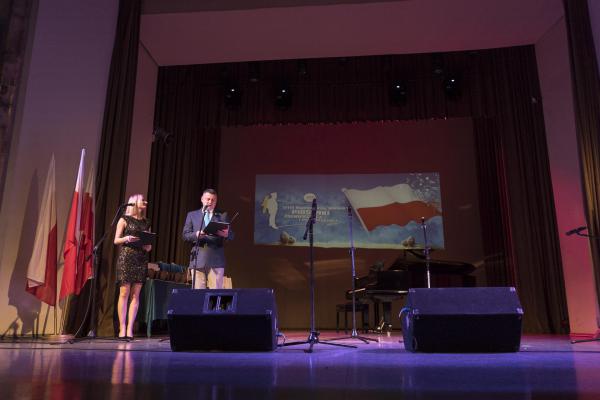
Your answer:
<point x="122" y="307"/>
<point x="133" y="307"/>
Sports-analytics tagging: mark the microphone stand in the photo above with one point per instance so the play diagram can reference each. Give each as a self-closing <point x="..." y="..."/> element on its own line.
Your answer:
<point x="313" y="336"/>
<point x="426" y="252"/>
<point x="92" y="299"/>
<point x="577" y="232"/>
<point x="354" y="334"/>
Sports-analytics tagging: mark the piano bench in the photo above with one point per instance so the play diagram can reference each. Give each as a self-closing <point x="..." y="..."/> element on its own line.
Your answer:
<point x="361" y="308"/>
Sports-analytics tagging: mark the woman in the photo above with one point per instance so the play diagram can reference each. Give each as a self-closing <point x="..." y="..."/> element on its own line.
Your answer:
<point x="132" y="264"/>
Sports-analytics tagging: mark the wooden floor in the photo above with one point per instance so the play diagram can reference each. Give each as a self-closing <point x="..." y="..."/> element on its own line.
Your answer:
<point x="546" y="367"/>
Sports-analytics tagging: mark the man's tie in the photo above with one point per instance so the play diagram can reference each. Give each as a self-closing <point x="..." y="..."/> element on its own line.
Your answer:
<point x="207" y="218"/>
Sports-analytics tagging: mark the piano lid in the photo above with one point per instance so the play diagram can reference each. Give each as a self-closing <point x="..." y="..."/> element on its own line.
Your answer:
<point x="413" y="260"/>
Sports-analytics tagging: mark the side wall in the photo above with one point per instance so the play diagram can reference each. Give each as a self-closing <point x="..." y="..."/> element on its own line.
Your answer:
<point x="555" y="80"/>
<point x="143" y="123"/>
<point x="60" y="111"/>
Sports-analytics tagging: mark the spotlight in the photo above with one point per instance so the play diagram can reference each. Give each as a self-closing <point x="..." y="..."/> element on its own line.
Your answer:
<point x="254" y="71"/>
<point x="302" y="68"/>
<point x="233" y="96"/>
<point x="283" y="97"/>
<point x="437" y="64"/>
<point x="452" y="87"/>
<point x="398" y="93"/>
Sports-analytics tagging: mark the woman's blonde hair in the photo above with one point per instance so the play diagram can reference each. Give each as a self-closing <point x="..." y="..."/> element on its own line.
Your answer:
<point x="134" y="210"/>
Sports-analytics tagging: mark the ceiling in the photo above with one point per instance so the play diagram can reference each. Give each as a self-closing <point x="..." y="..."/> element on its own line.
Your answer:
<point x="179" y="32"/>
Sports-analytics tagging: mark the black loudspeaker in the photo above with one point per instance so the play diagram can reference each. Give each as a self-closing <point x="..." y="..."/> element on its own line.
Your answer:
<point x="447" y="320"/>
<point x="222" y="319"/>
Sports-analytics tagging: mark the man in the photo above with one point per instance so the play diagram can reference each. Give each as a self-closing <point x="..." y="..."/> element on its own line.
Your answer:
<point x="207" y="257"/>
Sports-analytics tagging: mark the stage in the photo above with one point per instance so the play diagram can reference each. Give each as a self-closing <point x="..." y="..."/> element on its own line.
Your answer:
<point x="547" y="367"/>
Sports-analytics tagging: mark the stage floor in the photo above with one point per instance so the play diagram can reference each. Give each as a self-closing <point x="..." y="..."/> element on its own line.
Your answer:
<point x="547" y="367"/>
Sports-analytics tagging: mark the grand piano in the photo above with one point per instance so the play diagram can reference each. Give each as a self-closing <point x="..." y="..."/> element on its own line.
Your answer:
<point x="382" y="286"/>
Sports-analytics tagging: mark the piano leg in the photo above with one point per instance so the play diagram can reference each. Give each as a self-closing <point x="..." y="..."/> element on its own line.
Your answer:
<point x="376" y="314"/>
<point x="384" y="323"/>
<point x="387" y="315"/>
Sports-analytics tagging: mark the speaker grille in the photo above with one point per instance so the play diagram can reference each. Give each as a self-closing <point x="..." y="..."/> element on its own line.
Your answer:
<point x="234" y="319"/>
<point x="462" y="320"/>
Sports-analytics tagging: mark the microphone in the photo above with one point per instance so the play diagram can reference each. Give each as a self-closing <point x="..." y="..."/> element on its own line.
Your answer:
<point x="127" y="205"/>
<point x="204" y="208"/>
<point x="311" y="221"/>
<point x="576" y="230"/>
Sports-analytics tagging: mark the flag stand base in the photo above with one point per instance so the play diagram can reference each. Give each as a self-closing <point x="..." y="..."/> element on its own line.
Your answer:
<point x="65" y="338"/>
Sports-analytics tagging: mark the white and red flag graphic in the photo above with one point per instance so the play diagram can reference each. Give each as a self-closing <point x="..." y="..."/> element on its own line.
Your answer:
<point x="387" y="205"/>
<point x="42" y="268"/>
<point x="79" y="237"/>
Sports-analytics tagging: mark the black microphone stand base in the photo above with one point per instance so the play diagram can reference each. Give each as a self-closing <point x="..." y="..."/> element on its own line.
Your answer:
<point x="355" y="335"/>
<point x="577" y="231"/>
<point x="585" y="340"/>
<point x="91" y="336"/>
<point x="313" y="338"/>
<point x="596" y="338"/>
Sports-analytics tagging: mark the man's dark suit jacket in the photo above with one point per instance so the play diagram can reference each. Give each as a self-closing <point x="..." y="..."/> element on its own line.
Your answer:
<point x="207" y="251"/>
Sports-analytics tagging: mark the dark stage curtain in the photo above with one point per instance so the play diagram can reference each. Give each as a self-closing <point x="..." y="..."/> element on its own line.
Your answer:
<point x="184" y="164"/>
<point x="586" y="94"/>
<point x="497" y="242"/>
<point x="498" y="88"/>
<point x="530" y="232"/>
<point x="114" y="157"/>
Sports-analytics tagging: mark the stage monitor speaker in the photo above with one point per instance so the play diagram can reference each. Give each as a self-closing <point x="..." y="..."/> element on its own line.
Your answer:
<point x="222" y="319"/>
<point x="449" y="320"/>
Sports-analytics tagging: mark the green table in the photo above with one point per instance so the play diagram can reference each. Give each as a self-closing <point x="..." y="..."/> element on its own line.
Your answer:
<point x="154" y="301"/>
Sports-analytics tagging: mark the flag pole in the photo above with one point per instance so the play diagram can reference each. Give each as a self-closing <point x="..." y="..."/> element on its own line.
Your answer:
<point x="56" y="306"/>
<point x="60" y="337"/>
<point x="42" y="268"/>
<point x="73" y="240"/>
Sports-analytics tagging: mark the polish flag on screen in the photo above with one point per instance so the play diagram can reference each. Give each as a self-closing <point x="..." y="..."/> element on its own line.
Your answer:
<point x="77" y="250"/>
<point x="41" y="271"/>
<point x="388" y="205"/>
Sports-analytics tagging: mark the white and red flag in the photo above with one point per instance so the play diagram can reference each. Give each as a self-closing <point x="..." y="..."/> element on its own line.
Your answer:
<point x="42" y="268"/>
<point x="79" y="237"/>
<point x="388" y="205"/>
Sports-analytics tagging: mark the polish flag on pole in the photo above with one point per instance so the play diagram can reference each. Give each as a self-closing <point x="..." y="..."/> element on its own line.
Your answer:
<point x="86" y="237"/>
<point x="387" y="205"/>
<point x="74" y="273"/>
<point x="41" y="272"/>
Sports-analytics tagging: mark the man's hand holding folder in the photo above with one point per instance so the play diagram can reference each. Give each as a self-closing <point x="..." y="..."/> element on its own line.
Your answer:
<point x="217" y="228"/>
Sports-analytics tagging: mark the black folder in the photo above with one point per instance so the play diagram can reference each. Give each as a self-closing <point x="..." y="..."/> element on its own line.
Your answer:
<point x="214" y="226"/>
<point x="145" y="238"/>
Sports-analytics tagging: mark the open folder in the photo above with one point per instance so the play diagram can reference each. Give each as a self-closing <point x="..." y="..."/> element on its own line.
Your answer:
<point x="214" y="226"/>
<point x="145" y="238"/>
